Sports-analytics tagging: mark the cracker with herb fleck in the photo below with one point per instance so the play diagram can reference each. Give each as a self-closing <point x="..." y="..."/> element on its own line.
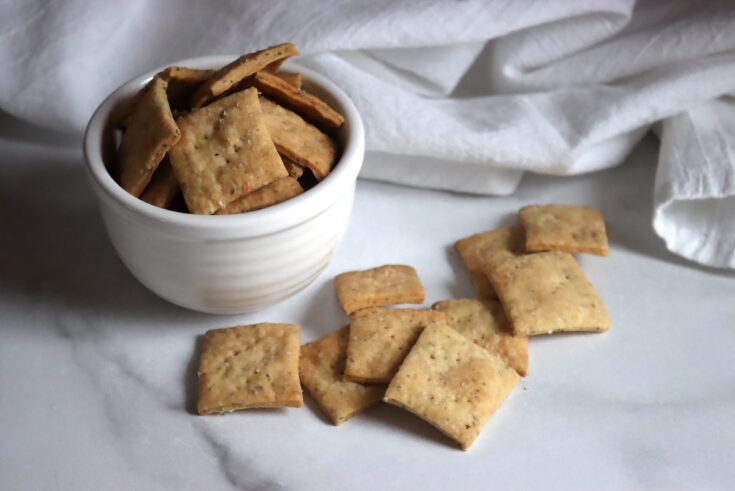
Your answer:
<point x="306" y="105"/>
<point x="298" y="140"/>
<point x="276" y="192"/>
<point x="249" y="367"/>
<point x="385" y="285"/>
<point x="564" y="228"/>
<point x="163" y="187"/>
<point x="151" y="131"/>
<point x="321" y="366"/>
<point x="484" y="323"/>
<point x="182" y="82"/>
<point x="381" y="338"/>
<point x="224" y="152"/>
<point x="451" y="383"/>
<point x="230" y="75"/>
<point x="478" y="249"/>
<point x="547" y="292"/>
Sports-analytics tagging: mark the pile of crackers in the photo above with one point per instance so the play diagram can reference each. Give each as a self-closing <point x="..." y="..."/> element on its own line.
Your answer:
<point x="452" y="365"/>
<point x="232" y="140"/>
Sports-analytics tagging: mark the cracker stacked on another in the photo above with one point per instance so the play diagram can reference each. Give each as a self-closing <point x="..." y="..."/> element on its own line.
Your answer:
<point x="531" y="270"/>
<point x="233" y="140"/>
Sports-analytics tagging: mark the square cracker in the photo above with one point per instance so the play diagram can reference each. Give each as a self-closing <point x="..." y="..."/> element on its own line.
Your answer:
<point x="298" y="140"/>
<point x="381" y="338"/>
<point x="163" y="187"/>
<point x="564" y="228"/>
<point x="249" y="366"/>
<point x="276" y="192"/>
<point x="151" y="131"/>
<point x="451" y="383"/>
<point x="308" y="106"/>
<point x="230" y="75"/>
<point x="547" y="292"/>
<point x="484" y="323"/>
<point x="224" y="152"/>
<point x="182" y="83"/>
<point x="385" y="285"/>
<point x="321" y="366"/>
<point x="478" y="249"/>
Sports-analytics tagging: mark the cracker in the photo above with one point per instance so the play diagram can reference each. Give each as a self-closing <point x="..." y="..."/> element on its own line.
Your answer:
<point x="320" y="367"/>
<point x="298" y="140"/>
<point x="276" y="192"/>
<point x="150" y="133"/>
<point x="484" y="323"/>
<point x="294" y="170"/>
<point x="224" y="152"/>
<point x="564" y="228"/>
<point x="182" y="83"/>
<point x="295" y="79"/>
<point x="230" y="75"/>
<point x="249" y="366"/>
<point x="476" y="250"/>
<point x="451" y="383"/>
<point x="381" y="338"/>
<point x="547" y="292"/>
<point x="308" y="106"/>
<point x="163" y="187"/>
<point x="385" y="285"/>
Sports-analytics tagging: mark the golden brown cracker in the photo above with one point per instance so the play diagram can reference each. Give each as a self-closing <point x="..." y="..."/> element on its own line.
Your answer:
<point x="294" y="169"/>
<point x="295" y="79"/>
<point x="249" y="366"/>
<point x="381" y="338"/>
<point x="476" y="250"/>
<point x="298" y="140"/>
<point x="385" y="285"/>
<point x="224" y="153"/>
<point x="182" y="83"/>
<point x="230" y="75"/>
<point x="163" y="187"/>
<point x="547" y="292"/>
<point x="308" y="106"/>
<point x="321" y="366"/>
<point x="451" y="383"/>
<point x="273" y="193"/>
<point x="484" y="323"/>
<point x="151" y="131"/>
<point x="564" y="228"/>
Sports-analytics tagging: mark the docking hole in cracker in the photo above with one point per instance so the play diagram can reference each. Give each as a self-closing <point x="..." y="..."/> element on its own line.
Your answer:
<point x="228" y="146"/>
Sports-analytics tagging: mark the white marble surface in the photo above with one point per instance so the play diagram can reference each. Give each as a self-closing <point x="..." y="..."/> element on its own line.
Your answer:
<point x="97" y="375"/>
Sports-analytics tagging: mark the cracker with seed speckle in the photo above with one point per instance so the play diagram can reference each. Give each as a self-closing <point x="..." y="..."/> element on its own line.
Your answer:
<point x="276" y="192"/>
<point x="248" y="367"/>
<point x="321" y="367"/>
<point x="151" y="131"/>
<point x="298" y="140"/>
<point x="451" y="383"/>
<point x="476" y="251"/>
<point x="182" y="82"/>
<point x="547" y="292"/>
<point x="385" y="285"/>
<point x="564" y="228"/>
<point x="224" y="152"/>
<point x="233" y="73"/>
<point x="381" y="338"/>
<point x="484" y="323"/>
<point x="308" y="106"/>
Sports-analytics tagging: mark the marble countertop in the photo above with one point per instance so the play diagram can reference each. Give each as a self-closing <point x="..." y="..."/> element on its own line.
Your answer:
<point x="98" y="376"/>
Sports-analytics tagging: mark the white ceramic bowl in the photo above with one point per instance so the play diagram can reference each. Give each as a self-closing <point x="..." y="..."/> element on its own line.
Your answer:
<point x="229" y="263"/>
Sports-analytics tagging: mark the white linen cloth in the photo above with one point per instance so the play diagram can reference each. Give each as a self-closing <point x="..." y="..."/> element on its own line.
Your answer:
<point x="463" y="95"/>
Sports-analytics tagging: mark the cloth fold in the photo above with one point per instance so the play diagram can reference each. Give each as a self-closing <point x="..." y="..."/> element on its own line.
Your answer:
<point x="463" y="96"/>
